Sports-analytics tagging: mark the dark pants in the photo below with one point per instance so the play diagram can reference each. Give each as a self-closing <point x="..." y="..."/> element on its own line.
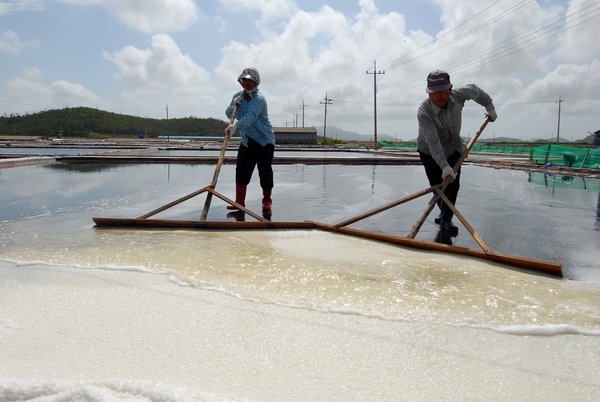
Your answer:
<point x="255" y="155"/>
<point x="434" y="174"/>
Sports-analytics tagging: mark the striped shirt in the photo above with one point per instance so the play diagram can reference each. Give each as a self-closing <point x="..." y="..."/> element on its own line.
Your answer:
<point x="253" y="119"/>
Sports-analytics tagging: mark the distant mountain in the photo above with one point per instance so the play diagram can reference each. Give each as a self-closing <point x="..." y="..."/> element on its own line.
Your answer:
<point x="337" y="133"/>
<point x="499" y="140"/>
<point x="94" y="123"/>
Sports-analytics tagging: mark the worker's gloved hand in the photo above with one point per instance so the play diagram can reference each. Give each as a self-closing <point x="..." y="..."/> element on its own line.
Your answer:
<point x="448" y="172"/>
<point x="231" y="128"/>
<point x="237" y="100"/>
<point x="493" y="115"/>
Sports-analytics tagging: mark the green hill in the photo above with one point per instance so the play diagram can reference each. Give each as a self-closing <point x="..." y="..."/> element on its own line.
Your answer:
<point x="94" y="123"/>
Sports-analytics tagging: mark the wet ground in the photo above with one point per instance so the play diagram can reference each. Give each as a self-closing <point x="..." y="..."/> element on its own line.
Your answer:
<point x="294" y="314"/>
<point x="515" y="212"/>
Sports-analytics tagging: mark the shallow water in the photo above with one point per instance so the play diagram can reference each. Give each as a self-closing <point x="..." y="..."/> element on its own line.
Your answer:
<point x="46" y="224"/>
<point x="310" y="268"/>
<point x="55" y="150"/>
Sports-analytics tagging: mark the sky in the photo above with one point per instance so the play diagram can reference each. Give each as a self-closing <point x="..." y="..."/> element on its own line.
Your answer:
<point x="151" y="58"/>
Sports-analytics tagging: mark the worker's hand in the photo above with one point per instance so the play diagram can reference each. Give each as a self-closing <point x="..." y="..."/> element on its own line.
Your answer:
<point x="493" y="115"/>
<point x="237" y="100"/>
<point x="448" y="172"/>
<point x="231" y="128"/>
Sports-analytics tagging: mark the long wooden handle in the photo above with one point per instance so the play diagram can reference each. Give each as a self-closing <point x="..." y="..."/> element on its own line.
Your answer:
<point x="171" y="204"/>
<point x="550" y="267"/>
<point x="224" y="148"/>
<point x="213" y="184"/>
<point x="467" y="225"/>
<point x="385" y="207"/>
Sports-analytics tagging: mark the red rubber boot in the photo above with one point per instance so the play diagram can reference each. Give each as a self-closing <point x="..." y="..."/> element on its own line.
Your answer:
<point x="240" y="197"/>
<point x="266" y="201"/>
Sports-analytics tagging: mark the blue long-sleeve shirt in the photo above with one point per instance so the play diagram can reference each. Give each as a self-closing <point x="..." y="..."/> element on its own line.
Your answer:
<point x="439" y="129"/>
<point x="253" y="119"/>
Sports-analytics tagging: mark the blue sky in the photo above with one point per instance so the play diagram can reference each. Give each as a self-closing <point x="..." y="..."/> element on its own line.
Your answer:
<point x="136" y="57"/>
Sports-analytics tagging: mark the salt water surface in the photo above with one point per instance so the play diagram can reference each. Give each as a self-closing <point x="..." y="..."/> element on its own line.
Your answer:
<point x="91" y="313"/>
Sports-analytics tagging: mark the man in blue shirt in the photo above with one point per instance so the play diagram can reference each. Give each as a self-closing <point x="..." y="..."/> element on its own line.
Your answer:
<point x="258" y="140"/>
<point x="439" y="143"/>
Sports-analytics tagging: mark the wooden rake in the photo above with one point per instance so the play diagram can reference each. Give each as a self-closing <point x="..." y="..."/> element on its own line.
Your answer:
<point x="438" y="191"/>
<point x="210" y="189"/>
<point x="549" y="267"/>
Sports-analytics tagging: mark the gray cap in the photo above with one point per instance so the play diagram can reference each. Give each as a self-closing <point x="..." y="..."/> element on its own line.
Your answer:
<point x="438" y="80"/>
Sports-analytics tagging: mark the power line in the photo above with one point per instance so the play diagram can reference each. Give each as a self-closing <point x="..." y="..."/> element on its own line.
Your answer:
<point x="517" y="43"/>
<point x="391" y="63"/>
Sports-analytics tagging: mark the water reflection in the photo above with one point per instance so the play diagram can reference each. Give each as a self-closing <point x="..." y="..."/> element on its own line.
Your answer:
<point x="444" y="237"/>
<point x="238" y="216"/>
<point x="564" y="181"/>
<point x="373" y="180"/>
<point x="508" y="211"/>
<point x="555" y="181"/>
<point x="83" y="167"/>
<point x="597" y="226"/>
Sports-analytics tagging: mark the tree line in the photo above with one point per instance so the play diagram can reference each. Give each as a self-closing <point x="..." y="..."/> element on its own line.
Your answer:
<point x="93" y="123"/>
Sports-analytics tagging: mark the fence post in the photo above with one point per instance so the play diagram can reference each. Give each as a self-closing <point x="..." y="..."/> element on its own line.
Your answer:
<point x="584" y="158"/>
<point x="547" y="154"/>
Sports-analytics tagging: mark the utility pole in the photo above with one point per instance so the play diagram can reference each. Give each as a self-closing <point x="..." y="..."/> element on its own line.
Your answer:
<point x="375" y="72"/>
<point x="325" y="101"/>
<point x="558" y="129"/>
<point x="296" y="119"/>
<point x="168" y="135"/>
<point x="303" y="112"/>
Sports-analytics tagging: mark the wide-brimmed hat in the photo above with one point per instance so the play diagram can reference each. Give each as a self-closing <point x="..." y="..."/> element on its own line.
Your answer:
<point x="250" y="73"/>
<point x="438" y="80"/>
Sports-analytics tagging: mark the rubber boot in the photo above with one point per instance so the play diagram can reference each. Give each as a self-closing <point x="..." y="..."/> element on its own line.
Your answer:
<point x="240" y="197"/>
<point x="266" y="201"/>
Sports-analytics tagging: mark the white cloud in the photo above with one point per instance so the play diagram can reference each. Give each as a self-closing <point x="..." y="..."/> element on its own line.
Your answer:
<point x="33" y="74"/>
<point x="59" y="92"/>
<point x="324" y="50"/>
<point x="268" y="9"/>
<point x="509" y="49"/>
<point x="505" y="49"/>
<point x="580" y="40"/>
<point x="570" y="81"/>
<point x="70" y="92"/>
<point x="12" y="6"/>
<point x="149" y="16"/>
<point x="11" y="43"/>
<point x="162" y="65"/>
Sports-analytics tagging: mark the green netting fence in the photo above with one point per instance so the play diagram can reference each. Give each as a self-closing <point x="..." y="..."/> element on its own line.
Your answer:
<point x="553" y="155"/>
<point x="410" y="145"/>
<point x="502" y="149"/>
<point x="559" y="155"/>
<point x="564" y="181"/>
<point x="498" y="149"/>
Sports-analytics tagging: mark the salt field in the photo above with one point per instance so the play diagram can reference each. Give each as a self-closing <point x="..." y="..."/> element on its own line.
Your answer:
<point x="93" y="313"/>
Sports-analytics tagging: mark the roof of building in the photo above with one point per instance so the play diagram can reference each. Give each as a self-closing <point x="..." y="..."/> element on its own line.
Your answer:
<point x="304" y="130"/>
